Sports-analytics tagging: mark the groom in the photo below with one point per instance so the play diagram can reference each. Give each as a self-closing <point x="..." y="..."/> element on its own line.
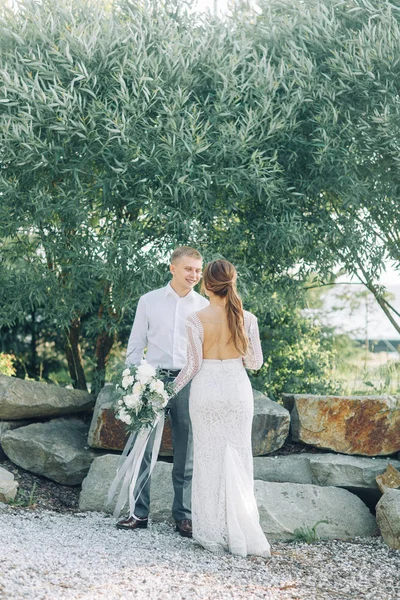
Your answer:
<point x="159" y="326"/>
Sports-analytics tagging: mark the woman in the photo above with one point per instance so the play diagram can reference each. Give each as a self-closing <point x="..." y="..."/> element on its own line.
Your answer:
<point x="223" y="340"/>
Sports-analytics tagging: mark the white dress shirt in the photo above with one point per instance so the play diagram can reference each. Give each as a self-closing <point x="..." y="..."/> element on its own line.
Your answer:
<point x="159" y="326"/>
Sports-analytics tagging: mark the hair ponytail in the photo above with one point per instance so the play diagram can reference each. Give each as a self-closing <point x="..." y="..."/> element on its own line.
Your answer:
<point x="219" y="277"/>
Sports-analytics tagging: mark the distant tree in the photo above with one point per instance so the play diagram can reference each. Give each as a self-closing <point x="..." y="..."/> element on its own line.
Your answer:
<point x="341" y="61"/>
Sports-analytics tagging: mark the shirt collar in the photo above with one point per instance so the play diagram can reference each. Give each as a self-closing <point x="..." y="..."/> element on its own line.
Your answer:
<point x="169" y="291"/>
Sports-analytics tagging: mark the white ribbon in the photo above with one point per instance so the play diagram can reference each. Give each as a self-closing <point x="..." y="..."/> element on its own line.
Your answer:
<point x="129" y="466"/>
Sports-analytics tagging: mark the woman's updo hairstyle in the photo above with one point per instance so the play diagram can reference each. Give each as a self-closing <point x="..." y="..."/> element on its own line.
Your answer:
<point x="219" y="277"/>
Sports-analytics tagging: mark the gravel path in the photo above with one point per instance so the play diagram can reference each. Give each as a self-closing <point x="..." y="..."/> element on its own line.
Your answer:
<point x="47" y="555"/>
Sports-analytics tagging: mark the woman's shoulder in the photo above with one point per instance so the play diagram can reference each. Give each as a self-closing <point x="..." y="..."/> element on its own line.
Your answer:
<point x="249" y="317"/>
<point x="193" y="319"/>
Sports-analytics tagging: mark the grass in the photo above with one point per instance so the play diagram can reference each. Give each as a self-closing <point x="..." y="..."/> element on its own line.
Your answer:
<point x="369" y="373"/>
<point x="307" y="534"/>
<point x="25" y="499"/>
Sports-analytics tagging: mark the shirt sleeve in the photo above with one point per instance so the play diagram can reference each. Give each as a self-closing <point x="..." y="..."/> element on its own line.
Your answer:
<point x="254" y="357"/>
<point x="138" y="336"/>
<point x="194" y="353"/>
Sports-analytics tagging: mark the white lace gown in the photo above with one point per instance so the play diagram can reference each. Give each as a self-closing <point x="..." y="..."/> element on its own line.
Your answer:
<point x="224" y="510"/>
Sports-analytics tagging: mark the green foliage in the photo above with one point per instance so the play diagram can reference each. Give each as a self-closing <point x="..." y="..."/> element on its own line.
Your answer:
<point x="299" y="355"/>
<point x="25" y="499"/>
<point x="7" y="364"/>
<point x="308" y="535"/>
<point x="127" y="129"/>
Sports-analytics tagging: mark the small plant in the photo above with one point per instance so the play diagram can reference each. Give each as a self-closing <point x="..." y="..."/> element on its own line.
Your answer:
<point x="7" y="364"/>
<point x="307" y="534"/>
<point x="24" y="499"/>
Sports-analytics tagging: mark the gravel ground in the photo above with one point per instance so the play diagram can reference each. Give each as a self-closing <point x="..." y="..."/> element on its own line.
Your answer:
<point x="52" y="555"/>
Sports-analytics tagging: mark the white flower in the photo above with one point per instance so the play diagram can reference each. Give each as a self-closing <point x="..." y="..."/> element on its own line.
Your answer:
<point x="156" y="385"/>
<point x="145" y="372"/>
<point x="132" y="401"/>
<point x="124" y="417"/>
<point x="127" y="381"/>
<point x="138" y="388"/>
<point x="126" y="372"/>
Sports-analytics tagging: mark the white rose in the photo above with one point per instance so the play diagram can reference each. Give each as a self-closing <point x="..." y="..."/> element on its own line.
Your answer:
<point x="138" y="388"/>
<point x="145" y="372"/>
<point x="157" y="386"/>
<point x="127" y="381"/>
<point x="132" y="401"/>
<point x="124" y="417"/>
<point x="126" y="372"/>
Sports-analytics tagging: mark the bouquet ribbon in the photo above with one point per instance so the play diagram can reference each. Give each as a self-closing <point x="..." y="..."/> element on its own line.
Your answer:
<point x="129" y="466"/>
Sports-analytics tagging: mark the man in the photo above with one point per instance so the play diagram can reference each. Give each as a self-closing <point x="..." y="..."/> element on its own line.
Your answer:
<point x="159" y="326"/>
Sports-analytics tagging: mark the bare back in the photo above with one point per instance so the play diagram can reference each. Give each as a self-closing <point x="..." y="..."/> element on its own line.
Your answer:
<point x="217" y="342"/>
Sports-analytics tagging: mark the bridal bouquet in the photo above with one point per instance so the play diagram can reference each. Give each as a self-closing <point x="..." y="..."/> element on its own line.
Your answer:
<point x="141" y="396"/>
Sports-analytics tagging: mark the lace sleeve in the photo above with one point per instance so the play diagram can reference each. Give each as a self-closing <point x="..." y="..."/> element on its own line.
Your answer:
<point x="254" y="357"/>
<point x="194" y="353"/>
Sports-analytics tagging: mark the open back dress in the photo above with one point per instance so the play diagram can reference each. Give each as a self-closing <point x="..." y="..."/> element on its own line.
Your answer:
<point x="224" y="510"/>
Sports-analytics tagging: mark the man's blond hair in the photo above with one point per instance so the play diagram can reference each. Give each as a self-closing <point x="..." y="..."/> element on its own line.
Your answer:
<point x="178" y="253"/>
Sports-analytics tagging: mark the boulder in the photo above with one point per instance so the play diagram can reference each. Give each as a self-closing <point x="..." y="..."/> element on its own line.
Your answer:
<point x="366" y="425"/>
<point x="388" y="518"/>
<point x="325" y="469"/>
<point x="56" y="449"/>
<point x="294" y="468"/>
<point x="8" y="486"/>
<point x="348" y="471"/>
<point x="22" y="399"/>
<point x="109" y="433"/>
<point x="285" y="507"/>
<point x="270" y="426"/>
<point x="6" y="426"/>
<point x="102" y="472"/>
<point x="389" y="479"/>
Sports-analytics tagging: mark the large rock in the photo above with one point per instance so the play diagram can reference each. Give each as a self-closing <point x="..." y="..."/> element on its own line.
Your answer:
<point x="270" y="426"/>
<point x="388" y="518"/>
<point x="102" y="472"/>
<point x="325" y="469"/>
<point x="8" y="486"/>
<point x="57" y="449"/>
<point x="285" y="507"/>
<point x="6" y="426"/>
<point x="21" y="399"/>
<point x="348" y="471"/>
<point x="366" y="425"/>
<point x="109" y="433"/>
<point x="294" y="468"/>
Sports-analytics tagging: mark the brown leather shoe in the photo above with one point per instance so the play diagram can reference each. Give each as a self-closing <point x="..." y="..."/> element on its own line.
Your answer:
<point x="132" y="523"/>
<point x="184" y="527"/>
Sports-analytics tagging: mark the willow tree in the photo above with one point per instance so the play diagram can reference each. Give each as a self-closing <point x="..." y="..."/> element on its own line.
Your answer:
<point x="341" y="58"/>
<point x="125" y="131"/>
<point x="128" y="128"/>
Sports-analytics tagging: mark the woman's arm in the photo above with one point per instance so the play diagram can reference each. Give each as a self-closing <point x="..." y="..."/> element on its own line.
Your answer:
<point x="254" y="357"/>
<point x="194" y="353"/>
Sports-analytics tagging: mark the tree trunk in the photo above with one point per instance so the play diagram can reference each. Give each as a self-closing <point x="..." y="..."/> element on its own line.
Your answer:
<point x="34" y="361"/>
<point x="378" y="296"/>
<point x="104" y="344"/>
<point x="74" y="356"/>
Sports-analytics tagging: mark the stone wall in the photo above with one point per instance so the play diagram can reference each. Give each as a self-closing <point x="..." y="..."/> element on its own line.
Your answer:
<point x="343" y="445"/>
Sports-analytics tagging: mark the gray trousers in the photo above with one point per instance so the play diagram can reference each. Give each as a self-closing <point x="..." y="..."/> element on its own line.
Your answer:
<point x="182" y="471"/>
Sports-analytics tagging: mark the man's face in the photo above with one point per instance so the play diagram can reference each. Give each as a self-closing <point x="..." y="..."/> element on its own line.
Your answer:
<point x="186" y="272"/>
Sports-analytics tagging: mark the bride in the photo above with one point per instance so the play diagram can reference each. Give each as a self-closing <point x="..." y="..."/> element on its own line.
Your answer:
<point x="223" y="340"/>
